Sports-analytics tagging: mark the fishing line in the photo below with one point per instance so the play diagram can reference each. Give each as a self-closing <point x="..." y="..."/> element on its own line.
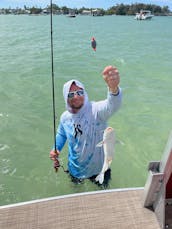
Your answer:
<point x="93" y="39"/>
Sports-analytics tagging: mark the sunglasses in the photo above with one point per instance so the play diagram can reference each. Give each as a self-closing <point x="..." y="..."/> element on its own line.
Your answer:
<point x="73" y="93"/>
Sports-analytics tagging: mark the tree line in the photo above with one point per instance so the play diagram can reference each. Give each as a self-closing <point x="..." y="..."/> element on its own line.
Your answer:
<point x="119" y="9"/>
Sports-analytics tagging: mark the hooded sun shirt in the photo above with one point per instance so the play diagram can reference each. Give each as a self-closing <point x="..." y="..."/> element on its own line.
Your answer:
<point x="84" y="130"/>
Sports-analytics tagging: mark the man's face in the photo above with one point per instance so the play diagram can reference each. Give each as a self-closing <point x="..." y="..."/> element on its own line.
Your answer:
<point x="75" y="97"/>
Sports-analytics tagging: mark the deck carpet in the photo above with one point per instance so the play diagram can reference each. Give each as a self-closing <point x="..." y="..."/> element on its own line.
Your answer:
<point x="104" y="210"/>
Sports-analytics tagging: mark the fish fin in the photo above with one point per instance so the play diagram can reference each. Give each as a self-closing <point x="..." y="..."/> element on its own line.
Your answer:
<point x="100" y="144"/>
<point x="100" y="178"/>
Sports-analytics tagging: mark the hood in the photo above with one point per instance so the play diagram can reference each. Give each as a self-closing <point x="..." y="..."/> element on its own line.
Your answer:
<point x="66" y="89"/>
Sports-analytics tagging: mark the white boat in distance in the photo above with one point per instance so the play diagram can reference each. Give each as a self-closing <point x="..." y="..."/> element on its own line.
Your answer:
<point x="144" y="15"/>
<point x="71" y="15"/>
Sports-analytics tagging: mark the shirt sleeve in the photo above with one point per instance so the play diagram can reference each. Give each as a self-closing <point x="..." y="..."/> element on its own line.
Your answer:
<point x="107" y="107"/>
<point x="60" y="137"/>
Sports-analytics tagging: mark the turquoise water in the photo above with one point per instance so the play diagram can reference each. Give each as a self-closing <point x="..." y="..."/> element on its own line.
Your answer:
<point x="142" y="52"/>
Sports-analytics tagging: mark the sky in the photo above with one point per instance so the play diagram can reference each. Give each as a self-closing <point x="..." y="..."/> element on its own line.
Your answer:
<point x="105" y="4"/>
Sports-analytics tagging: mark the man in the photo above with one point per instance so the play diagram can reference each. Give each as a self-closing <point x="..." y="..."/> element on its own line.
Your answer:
<point x="83" y="123"/>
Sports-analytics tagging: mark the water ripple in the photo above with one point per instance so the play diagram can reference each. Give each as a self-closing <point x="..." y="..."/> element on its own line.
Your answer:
<point x="3" y="147"/>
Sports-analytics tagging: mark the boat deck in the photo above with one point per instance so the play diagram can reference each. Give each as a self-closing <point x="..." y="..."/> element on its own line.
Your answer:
<point x="116" y="209"/>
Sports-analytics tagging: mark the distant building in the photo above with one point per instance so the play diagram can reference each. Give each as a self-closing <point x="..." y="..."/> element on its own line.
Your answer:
<point x="86" y="12"/>
<point x="97" y="12"/>
<point x="45" y="11"/>
<point x="2" y="11"/>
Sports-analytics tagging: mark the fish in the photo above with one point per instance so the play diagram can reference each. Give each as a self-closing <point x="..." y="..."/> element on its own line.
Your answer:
<point x="93" y="43"/>
<point x="108" y="144"/>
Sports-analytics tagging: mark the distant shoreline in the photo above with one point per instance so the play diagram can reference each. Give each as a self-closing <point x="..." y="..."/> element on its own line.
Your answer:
<point x="119" y="9"/>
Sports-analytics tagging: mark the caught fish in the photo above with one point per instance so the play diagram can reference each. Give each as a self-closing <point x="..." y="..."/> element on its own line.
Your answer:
<point x="108" y="144"/>
<point x="93" y="43"/>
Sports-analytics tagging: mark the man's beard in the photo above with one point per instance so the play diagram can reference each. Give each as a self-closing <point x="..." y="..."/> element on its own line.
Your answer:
<point x="75" y="109"/>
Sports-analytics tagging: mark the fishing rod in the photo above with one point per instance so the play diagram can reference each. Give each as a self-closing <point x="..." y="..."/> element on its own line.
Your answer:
<point x="52" y="75"/>
<point x="56" y="162"/>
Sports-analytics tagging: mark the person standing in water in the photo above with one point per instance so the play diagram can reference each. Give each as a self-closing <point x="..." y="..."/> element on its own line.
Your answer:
<point x="83" y="123"/>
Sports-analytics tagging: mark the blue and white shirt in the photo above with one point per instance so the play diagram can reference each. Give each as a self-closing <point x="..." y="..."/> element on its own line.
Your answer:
<point x="84" y="130"/>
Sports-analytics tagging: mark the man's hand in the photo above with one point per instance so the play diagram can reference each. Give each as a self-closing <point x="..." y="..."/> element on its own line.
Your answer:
<point x="112" y="78"/>
<point x="54" y="156"/>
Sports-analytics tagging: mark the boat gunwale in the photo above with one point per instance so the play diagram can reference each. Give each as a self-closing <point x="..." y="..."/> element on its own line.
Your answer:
<point x="70" y="196"/>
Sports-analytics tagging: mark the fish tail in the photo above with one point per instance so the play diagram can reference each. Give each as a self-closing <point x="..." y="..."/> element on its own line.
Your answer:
<point x="100" y="178"/>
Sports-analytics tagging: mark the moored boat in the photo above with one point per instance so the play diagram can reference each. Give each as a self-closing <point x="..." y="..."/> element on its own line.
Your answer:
<point x="71" y="15"/>
<point x="144" y="15"/>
